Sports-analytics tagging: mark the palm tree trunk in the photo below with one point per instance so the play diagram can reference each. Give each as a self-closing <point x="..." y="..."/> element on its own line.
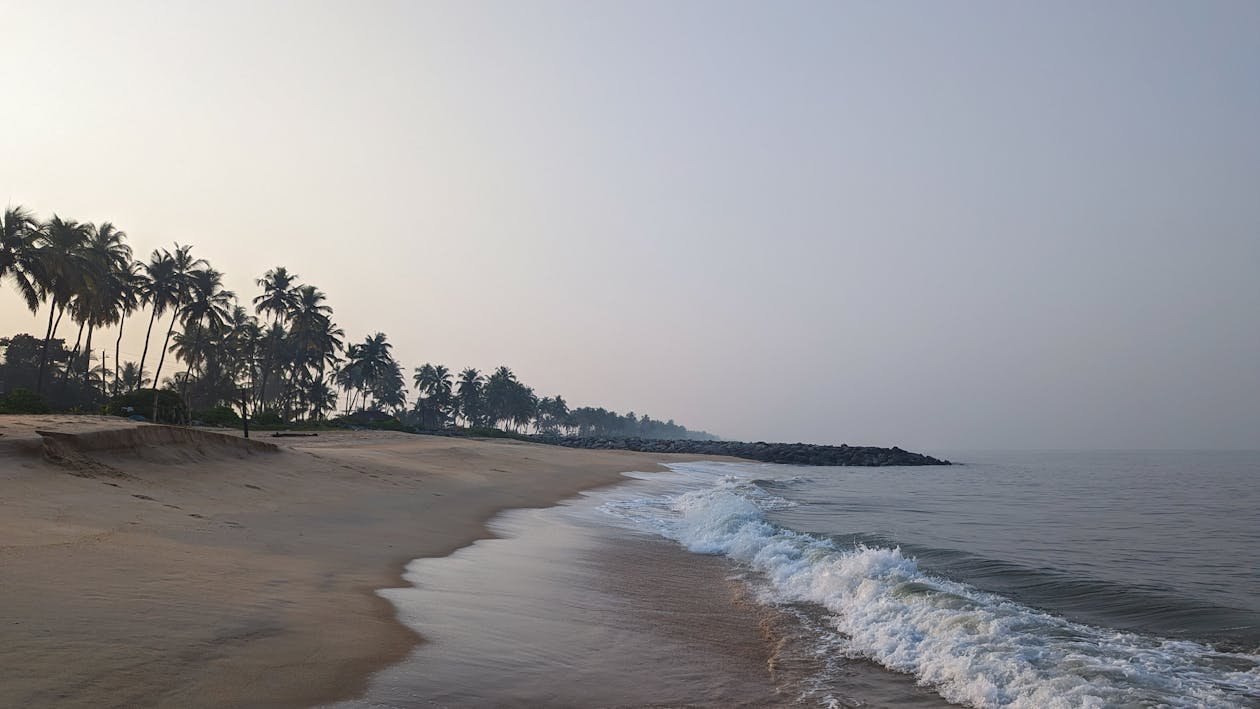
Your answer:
<point x="262" y="383"/>
<point x="262" y="386"/>
<point x="247" y="403"/>
<point x="43" y="358"/>
<point x="145" y="353"/>
<point x="318" y="413"/>
<point x="65" y="376"/>
<point x="196" y="355"/>
<point x="87" y="349"/>
<point x="118" y="349"/>
<point x="161" y="359"/>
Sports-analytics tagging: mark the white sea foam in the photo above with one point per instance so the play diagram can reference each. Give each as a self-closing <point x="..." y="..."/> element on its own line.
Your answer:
<point x="973" y="647"/>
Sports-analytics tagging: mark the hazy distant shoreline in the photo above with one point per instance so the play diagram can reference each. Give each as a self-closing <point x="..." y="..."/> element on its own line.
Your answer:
<point x="150" y="565"/>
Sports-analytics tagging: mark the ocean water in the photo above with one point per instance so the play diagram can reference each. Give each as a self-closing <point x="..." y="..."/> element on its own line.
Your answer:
<point x="1091" y="579"/>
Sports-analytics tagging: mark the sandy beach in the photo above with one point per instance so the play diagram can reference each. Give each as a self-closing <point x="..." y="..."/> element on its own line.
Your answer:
<point x="144" y="565"/>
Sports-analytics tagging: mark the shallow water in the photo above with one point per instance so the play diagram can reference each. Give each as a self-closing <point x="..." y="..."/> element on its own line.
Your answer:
<point x="1161" y="542"/>
<point x="568" y="610"/>
<point x="1039" y="580"/>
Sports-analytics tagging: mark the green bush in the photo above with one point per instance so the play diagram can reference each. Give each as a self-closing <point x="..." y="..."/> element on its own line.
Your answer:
<point x="23" y="401"/>
<point x="265" y="418"/>
<point x="170" y="406"/>
<point x="218" y="416"/>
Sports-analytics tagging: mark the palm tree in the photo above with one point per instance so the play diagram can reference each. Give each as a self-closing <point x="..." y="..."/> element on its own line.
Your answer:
<point x="274" y="348"/>
<point x="208" y="306"/>
<point x="163" y="288"/>
<point x="237" y="348"/>
<point x="278" y="293"/>
<point x="315" y="341"/>
<point x="434" y="382"/>
<point x="308" y="303"/>
<point x="349" y="376"/>
<point x="310" y="325"/>
<point x="19" y="237"/>
<point x="321" y="397"/>
<point x="370" y="367"/>
<point x="108" y="258"/>
<point x="57" y="272"/>
<point x="469" y="395"/>
<point x="182" y="264"/>
<point x="328" y="342"/>
<point x="553" y="413"/>
<point x="129" y="293"/>
<point x="325" y="347"/>
<point x="499" y="390"/>
<point x="132" y="378"/>
<point x="279" y="299"/>
<point x="390" y="389"/>
<point x="522" y="406"/>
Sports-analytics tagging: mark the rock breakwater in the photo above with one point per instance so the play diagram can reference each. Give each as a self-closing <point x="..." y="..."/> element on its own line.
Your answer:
<point x="789" y="453"/>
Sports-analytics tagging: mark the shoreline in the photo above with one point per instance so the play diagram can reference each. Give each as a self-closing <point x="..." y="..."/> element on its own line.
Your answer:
<point x="201" y="572"/>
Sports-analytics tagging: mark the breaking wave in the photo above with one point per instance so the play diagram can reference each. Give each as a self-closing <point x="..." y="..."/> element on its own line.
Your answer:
<point x="971" y="646"/>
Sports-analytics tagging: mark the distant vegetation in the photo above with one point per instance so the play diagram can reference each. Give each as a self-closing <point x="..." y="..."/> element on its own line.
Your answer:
<point x="284" y="362"/>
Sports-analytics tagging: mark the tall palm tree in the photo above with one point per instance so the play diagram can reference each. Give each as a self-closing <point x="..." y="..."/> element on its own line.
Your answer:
<point x="321" y="397"/>
<point x="432" y="379"/>
<point x="19" y="237"/>
<point x="469" y="395"/>
<point x="58" y="268"/>
<point x="275" y="346"/>
<point x="434" y="382"/>
<point x="560" y="413"/>
<point x="130" y="287"/>
<point x="278" y="293"/>
<point x="241" y="346"/>
<point x="328" y="342"/>
<point x="308" y="304"/>
<point x="108" y="258"/>
<point x="182" y="265"/>
<point x="209" y="305"/>
<point x="523" y="406"/>
<point x="163" y="287"/>
<point x="390" y="389"/>
<point x="499" y="394"/>
<point x="349" y="375"/>
<point x="553" y="412"/>
<point x="310" y="326"/>
<point x="325" y="347"/>
<point x="278" y="299"/>
<point x="372" y="368"/>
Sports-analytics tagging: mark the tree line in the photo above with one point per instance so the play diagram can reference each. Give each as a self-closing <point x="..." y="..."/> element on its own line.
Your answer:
<point x="282" y="360"/>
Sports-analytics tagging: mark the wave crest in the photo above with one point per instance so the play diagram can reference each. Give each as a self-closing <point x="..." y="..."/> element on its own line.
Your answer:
<point x="973" y="647"/>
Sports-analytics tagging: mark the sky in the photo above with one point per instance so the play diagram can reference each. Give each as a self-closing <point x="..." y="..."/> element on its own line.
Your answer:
<point x="934" y="225"/>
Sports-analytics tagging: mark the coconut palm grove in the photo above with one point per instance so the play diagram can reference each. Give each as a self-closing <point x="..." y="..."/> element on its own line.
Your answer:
<point x="211" y="356"/>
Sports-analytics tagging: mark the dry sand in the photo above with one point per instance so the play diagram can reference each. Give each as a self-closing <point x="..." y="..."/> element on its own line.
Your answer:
<point x="147" y="565"/>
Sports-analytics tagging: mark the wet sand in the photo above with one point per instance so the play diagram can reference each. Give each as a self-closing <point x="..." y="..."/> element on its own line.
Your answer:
<point x="576" y="616"/>
<point x="574" y="609"/>
<point x="145" y="566"/>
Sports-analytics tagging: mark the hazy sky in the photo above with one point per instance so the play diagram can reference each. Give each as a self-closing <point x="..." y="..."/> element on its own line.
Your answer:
<point x="939" y="225"/>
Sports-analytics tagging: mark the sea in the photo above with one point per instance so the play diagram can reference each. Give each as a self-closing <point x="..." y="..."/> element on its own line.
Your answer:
<point x="1011" y="579"/>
